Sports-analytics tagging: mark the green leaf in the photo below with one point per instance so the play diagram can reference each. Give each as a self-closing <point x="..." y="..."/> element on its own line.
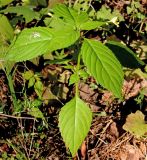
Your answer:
<point x="83" y="74"/>
<point x="63" y="38"/>
<point x="105" y="14"/>
<point x="74" y="123"/>
<point x="125" y="55"/>
<point x="135" y="124"/>
<point x="6" y="36"/>
<point x="40" y="40"/>
<point x="70" y="16"/>
<point x="26" y="11"/>
<point x="36" y="103"/>
<point x="39" y="88"/>
<point x="28" y="74"/>
<point x="64" y="15"/>
<point x="89" y="25"/>
<point x="103" y="65"/>
<point x="5" y="2"/>
<point x="129" y="10"/>
<point x="31" y="82"/>
<point x="36" y="113"/>
<point x="6" y="30"/>
<point x="74" y="78"/>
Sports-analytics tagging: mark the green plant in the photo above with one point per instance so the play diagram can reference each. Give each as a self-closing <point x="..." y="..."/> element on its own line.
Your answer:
<point x="65" y="27"/>
<point x="135" y="11"/>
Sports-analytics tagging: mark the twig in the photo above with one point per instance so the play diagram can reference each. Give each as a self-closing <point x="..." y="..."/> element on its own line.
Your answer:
<point x="15" y="117"/>
<point x="23" y="143"/>
<point x="32" y="140"/>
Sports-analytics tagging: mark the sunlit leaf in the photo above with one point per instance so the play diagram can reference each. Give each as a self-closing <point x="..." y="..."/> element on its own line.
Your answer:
<point x="103" y="65"/>
<point x="89" y="25"/>
<point x="66" y="16"/>
<point x="40" y="40"/>
<point x="6" y="36"/>
<point x="6" y="30"/>
<point x="70" y="16"/>
<point x="74" y="123"/>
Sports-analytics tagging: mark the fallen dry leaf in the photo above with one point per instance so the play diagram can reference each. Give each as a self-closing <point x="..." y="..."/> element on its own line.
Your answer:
<point x="135" y="124"/>
<point x="114" y="130"/>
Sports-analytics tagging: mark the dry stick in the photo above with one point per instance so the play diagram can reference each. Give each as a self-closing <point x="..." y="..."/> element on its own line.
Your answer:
<point x="32" y="140"/>
<point x="23" y="143"/>
<point x="15" y="117"/>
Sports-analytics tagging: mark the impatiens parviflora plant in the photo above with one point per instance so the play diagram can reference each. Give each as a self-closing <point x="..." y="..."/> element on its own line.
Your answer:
<point x="101" y="62"/>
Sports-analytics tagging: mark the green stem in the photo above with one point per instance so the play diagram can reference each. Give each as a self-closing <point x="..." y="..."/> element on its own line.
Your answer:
<point x="77" y="70"/>
<point x="10" y="83"/>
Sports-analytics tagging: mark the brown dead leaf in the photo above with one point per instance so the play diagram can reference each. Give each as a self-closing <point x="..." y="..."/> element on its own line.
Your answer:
<point x="132" y="153"/>
<point x="87" y="94"/>
<point x="114" y="130"/>
<point x="107" y="98"/>
<point x="143" y="148"/>
<point x="132" y="87"/>
<point x="122" y="155"/>
<point x="48" y="95"/>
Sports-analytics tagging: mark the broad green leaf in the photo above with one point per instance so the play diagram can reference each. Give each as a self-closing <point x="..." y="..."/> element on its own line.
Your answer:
<point x="5" y="2"/>
<point x="40" y="40"/>
<point x="26" y="11"/>
<point x="74" y="123"/>
<point x="63" y="38"/>
<point x="70" y="16"/>
<point x="57" y="23"/>
<point x="64" y="15"/>
<point x="6" y="36"/>
<point x="135" y="124"/>
<point x="103" y="65"/>
<point x="89" y="25"/>
<point x="6" y="30"/>
<point x="125" y="55"/>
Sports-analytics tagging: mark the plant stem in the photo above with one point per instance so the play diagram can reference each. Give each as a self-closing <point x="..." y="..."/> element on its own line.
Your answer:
<point x="77" y="70"/>
<point x="10" y="83"/>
